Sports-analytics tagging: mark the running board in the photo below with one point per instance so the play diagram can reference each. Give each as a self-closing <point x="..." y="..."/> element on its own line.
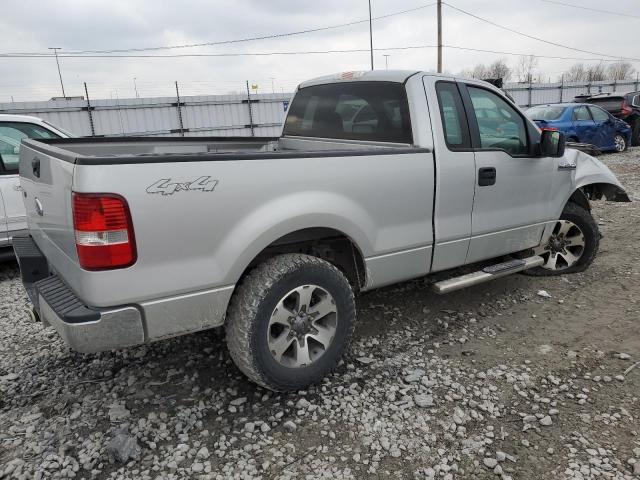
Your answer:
<point x="488" y="273"/>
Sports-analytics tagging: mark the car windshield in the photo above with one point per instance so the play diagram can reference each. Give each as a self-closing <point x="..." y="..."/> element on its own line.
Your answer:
<point x="545" y="113"/>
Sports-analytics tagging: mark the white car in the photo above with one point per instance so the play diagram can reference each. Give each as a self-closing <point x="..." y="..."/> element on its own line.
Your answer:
<point x="13" y="128"/>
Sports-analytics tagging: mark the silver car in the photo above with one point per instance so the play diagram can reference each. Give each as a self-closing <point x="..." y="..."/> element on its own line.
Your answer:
<point x="13" y="129"/>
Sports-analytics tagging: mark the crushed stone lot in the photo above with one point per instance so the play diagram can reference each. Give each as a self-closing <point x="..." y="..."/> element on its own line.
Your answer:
<point x="521" y="378"/>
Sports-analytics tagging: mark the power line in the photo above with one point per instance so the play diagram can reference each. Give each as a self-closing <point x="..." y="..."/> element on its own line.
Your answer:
<point x="537" y="38"/>
<point x="592" y="9"/>
<point x="553" y="57"/>
<point x="319" y="52"/>
<point x="228" y="42"/>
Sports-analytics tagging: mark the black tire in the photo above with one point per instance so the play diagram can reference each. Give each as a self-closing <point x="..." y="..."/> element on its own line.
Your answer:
<point x="585" y="221"/>
<point x="251" y="308"/>
<point x="572" y="140"/>
<point x="635" y="132"/>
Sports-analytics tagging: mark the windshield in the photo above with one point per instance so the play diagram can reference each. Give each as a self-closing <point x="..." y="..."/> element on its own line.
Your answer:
<point x="545" y="113"/>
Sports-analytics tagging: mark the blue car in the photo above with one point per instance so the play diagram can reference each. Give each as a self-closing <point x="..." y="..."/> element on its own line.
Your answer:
<point x="584" y="123"/>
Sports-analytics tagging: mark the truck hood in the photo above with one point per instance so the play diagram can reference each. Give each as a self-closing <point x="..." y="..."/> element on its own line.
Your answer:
<point x="591" y="171"/>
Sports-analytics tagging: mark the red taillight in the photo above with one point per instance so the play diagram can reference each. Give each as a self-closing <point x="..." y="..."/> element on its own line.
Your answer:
<point x="103" y="231"/>
<point x="551" y="129"/>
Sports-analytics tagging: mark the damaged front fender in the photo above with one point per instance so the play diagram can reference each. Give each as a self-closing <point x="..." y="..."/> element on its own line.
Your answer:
<point x="594" y="179"/>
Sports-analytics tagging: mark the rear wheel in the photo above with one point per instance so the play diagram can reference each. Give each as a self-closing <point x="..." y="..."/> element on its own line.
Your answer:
<point x="620" y="143"/>
<point x="573" y="245"/>
<point x="290" y="321"/>
<point x="572" y="140"/>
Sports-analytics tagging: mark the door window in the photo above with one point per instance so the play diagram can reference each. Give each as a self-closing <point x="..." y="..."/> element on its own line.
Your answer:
<point x="500" y="125"/>
<point x="11" y="135"/>
<point x="599" y="115"/>
<point x="454" y="120"/>
<point x="581" y="114"/>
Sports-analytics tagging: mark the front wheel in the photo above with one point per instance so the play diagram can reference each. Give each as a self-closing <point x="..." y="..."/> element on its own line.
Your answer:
<point x="572" y="246"/>
<point x="289" y="321"/>
<point x="620" y="143"/>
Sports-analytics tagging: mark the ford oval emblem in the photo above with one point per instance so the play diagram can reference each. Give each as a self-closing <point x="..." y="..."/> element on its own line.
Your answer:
<point x="39" y="208"/>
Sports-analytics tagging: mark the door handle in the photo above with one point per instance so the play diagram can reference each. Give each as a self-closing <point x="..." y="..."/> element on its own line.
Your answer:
<point x="486" y="176"/>
<point x="35" y="166"/>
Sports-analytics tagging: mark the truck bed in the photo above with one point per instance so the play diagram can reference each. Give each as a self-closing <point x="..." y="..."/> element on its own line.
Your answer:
<point x="118" y="150"/>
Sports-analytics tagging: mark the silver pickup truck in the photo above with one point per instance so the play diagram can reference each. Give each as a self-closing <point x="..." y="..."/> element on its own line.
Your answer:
<point x="378" y="177"/>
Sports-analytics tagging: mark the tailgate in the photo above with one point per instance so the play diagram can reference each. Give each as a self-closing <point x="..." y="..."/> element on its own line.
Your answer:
<point x="46" y="175"/>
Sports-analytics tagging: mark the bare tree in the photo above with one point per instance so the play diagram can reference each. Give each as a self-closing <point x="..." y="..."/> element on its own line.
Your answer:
<point x="577" y="73"/>
<point x="596" y="73"/>
<point x="620" y="71"/>
<point x="498" y="69"/>
<point x="525" y="68"/>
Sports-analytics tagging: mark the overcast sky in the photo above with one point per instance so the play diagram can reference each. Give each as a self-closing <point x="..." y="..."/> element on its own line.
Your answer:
<point x="32" y="26"/>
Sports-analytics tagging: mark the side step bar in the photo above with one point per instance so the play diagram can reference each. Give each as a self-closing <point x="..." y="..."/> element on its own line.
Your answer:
<point x="488" y="273"/>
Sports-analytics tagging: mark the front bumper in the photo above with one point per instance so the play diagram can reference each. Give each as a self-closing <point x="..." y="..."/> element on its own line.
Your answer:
<point x="83" y="328"/>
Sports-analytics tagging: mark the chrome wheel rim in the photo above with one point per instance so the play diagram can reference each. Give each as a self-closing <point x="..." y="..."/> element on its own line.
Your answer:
<point x="564" y="248"/>
<point x="302" y="326"/>
<point x="620" y="143"/>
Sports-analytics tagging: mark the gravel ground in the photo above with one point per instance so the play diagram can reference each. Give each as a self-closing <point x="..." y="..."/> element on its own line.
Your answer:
<point x="533" y="378"/>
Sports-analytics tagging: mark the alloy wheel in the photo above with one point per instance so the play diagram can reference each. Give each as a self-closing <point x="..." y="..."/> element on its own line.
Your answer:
<point x="620" y="143"/>
<point x="302" y="326"/>
<point x="564" y="248"/>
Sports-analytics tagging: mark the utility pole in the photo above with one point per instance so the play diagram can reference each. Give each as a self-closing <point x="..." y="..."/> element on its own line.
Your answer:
<point x="439" y="36"/>
<point x="135" y="86"/>
<point x="273" y="85"/>
<point x="386" y="61"/>
<point x="371" y="34"/>
<point x="55" y="52"/>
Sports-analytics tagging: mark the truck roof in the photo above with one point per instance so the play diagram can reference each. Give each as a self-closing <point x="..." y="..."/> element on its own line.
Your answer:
<point x="5" y="117"/>
<point x="398" y="76"/>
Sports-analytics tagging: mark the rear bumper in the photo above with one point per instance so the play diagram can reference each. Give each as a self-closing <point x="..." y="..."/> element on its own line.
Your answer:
<point x="85" y="329"/>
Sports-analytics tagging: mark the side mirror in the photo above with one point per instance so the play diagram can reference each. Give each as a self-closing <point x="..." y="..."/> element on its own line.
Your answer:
<point x="552" y="143"/>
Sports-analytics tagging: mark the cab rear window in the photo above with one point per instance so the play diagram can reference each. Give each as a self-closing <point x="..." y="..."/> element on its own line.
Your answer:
<point x="372" y="111"/>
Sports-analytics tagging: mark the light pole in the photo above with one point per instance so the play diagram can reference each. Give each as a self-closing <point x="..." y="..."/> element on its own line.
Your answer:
<point x="135" y="87"/>
<point x="55" y="52"/>
<point x="439" y="36"/>
<point x="371" y="34"/>
<point x="386" y="60"/>
<point x="273" y="85"/>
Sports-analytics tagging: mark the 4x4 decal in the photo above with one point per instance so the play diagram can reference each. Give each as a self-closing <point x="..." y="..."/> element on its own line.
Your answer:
<point x="166" y="186"/>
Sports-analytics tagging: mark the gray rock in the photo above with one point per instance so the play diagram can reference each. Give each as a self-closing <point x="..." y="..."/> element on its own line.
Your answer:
<point x="490" y="462"/>
<point x="546" y="421"/>
<point x="123" y="447"/>
<point x="236" y="402"/>
<point x="423" y="400"/>
<point x="203" y="453"/>
<point x="290" y="426"/>
<point x="302" y="404"/>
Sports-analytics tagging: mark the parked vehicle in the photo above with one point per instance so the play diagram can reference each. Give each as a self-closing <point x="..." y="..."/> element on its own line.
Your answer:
<point x="136" y="240"/>
<point x="583" y="123"/>
<point x="13" y="128"/>
<point x="625" y="106"/>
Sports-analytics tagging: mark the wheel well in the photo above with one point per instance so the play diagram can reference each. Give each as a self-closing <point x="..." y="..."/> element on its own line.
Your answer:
<point x="325" y="243"/>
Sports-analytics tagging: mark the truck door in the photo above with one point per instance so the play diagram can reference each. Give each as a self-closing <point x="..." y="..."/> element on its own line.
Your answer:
<point x="511" y="204"/>
<point x="455" y="175"/>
